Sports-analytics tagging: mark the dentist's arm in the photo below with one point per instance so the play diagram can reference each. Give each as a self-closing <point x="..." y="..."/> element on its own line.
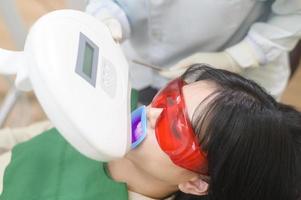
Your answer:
<point x="109" y="12"/>
<point x="264" y="42"/>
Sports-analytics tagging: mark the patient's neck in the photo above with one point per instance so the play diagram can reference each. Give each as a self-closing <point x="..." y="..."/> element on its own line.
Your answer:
<point x="139" y="181"/>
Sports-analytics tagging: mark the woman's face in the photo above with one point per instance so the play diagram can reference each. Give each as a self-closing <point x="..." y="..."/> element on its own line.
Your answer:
<point x="149" y="157"/>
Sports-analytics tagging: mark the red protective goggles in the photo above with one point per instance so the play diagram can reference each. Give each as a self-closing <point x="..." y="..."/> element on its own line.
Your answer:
<point x="174" y="131"/>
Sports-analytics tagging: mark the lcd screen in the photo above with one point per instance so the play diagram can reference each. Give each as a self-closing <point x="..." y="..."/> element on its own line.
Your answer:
<point x="88" y="60"/>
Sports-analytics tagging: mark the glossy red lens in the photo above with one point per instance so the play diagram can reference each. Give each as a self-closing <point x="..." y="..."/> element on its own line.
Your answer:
<point x="174" y="132"/>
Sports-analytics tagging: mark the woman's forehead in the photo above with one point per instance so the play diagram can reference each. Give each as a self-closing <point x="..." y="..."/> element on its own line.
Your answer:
<point x="195" y="93"/>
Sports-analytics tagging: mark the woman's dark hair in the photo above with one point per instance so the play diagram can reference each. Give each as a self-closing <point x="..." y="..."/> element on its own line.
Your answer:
<point x="253" y="143"/>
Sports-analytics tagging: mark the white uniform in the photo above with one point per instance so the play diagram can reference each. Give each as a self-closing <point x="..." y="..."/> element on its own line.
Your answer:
<point x="258" y="34"/>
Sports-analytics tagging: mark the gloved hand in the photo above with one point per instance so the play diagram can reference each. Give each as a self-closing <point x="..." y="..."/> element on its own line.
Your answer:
<point x="220" y="60"/>
<point x="113" y="24"/>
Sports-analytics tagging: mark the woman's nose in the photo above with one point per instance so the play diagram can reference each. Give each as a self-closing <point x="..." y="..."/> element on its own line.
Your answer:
<point x="152" y="115"/>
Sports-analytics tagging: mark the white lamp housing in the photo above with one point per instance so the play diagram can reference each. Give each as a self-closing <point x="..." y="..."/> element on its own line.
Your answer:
<point x="80" y="76"/>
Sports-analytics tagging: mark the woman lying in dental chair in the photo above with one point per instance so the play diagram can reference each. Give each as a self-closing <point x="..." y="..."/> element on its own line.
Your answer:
<point x="210" y="134"/>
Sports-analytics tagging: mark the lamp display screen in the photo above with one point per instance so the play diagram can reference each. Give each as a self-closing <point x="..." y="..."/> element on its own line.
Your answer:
<point x="88" y="60"/>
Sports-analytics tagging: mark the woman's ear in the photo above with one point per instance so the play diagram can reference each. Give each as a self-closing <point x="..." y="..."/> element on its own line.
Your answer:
<point x="195" y="186"/>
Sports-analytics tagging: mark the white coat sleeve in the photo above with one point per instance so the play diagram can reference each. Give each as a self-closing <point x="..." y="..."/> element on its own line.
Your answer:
<point x="110" y="7"/>
<point x="266" y="41"/>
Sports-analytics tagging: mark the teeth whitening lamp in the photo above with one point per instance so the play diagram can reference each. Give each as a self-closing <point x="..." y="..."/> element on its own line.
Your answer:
<point x="81" y="78"/>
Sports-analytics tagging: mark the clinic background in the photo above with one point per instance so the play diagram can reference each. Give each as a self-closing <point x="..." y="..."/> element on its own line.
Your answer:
<point x="26" y="109"/>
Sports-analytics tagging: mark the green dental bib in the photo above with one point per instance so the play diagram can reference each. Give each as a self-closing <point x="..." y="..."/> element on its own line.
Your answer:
<point x="48" y="168"/>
